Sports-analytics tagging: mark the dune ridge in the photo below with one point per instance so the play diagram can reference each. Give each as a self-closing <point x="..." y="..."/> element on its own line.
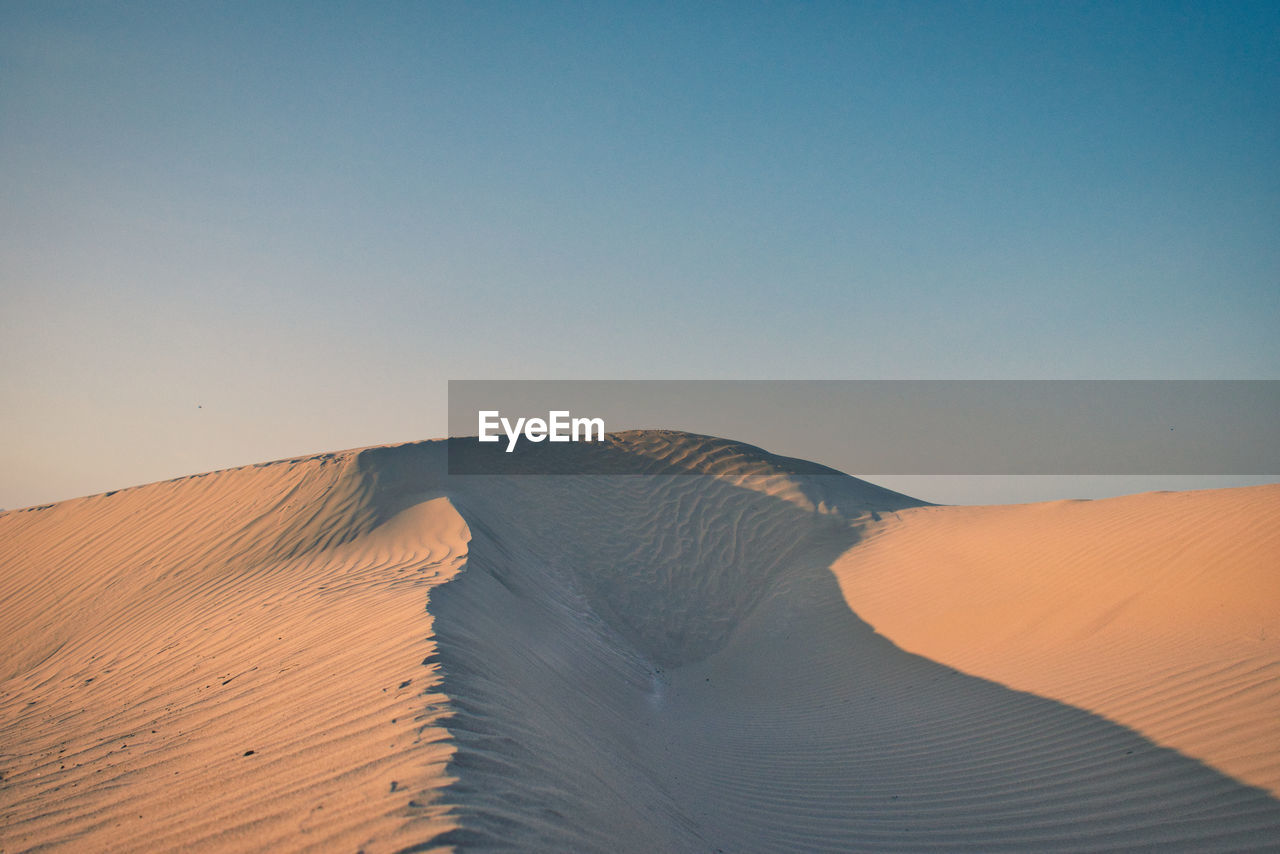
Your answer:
<point x="356" y="651"/>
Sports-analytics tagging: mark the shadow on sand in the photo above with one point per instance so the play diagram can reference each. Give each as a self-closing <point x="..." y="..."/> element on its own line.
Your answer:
<point x="668" y="664"/>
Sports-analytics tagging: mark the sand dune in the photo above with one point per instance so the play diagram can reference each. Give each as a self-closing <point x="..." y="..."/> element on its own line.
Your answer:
<point x="1158" y="611"/>
<point x="156" y="636"/>
<point x="357" y="652"/>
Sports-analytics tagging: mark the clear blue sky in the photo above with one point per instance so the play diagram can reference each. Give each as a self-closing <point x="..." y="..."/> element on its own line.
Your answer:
<point x="233" y="232"/>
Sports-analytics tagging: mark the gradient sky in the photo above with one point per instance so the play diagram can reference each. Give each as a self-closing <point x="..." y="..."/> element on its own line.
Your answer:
<point x="234" y="232"/>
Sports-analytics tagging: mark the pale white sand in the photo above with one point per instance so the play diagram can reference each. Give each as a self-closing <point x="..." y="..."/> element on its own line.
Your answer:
<point x="761" y="661"/>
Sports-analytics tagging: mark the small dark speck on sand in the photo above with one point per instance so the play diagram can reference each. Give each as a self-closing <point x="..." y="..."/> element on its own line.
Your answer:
<point x="249" y="752"/>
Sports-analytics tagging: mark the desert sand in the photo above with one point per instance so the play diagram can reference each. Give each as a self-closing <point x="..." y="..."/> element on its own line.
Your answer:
<point x="358" y="652"/>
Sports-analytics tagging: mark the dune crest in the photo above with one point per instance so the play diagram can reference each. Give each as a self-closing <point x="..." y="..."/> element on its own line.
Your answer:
<point x="358" y="652"/>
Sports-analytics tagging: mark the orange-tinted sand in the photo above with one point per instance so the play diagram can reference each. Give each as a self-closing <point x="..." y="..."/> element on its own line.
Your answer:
<point x="1159" y="611"/>
<point x="357" y="652"/>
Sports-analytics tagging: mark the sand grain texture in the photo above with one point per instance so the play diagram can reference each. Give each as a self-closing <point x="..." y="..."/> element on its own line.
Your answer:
<point x="357" y="652"/>
<point x="1159" y="611"/>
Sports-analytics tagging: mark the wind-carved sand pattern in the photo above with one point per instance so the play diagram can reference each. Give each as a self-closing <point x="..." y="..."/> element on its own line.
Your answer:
<point x="632" y="663"/>
<point x="224" y="663"/>
<point x="1159" y="611"/>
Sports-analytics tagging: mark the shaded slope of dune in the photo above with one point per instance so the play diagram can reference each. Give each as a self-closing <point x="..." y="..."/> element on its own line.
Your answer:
<point x="595" y="676"/>
<point x="591" y="663"/>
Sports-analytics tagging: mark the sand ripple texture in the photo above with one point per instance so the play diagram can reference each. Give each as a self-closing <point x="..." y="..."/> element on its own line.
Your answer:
<point x="357" y="652"/>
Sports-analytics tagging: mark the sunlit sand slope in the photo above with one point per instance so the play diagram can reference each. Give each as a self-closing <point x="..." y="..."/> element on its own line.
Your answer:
<point x="227" y="662"/>
<point x="592" y="663"/>
<point x="1159" y="611"/>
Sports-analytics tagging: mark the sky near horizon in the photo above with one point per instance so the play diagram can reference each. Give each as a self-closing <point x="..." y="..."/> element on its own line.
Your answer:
<point x="234" y="232"/>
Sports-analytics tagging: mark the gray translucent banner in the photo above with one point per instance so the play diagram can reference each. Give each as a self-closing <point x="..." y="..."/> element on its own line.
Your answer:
<point x="887" y="427"/>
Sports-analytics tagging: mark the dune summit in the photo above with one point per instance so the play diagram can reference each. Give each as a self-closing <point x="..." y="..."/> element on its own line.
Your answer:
<point x="358" y="652"/>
